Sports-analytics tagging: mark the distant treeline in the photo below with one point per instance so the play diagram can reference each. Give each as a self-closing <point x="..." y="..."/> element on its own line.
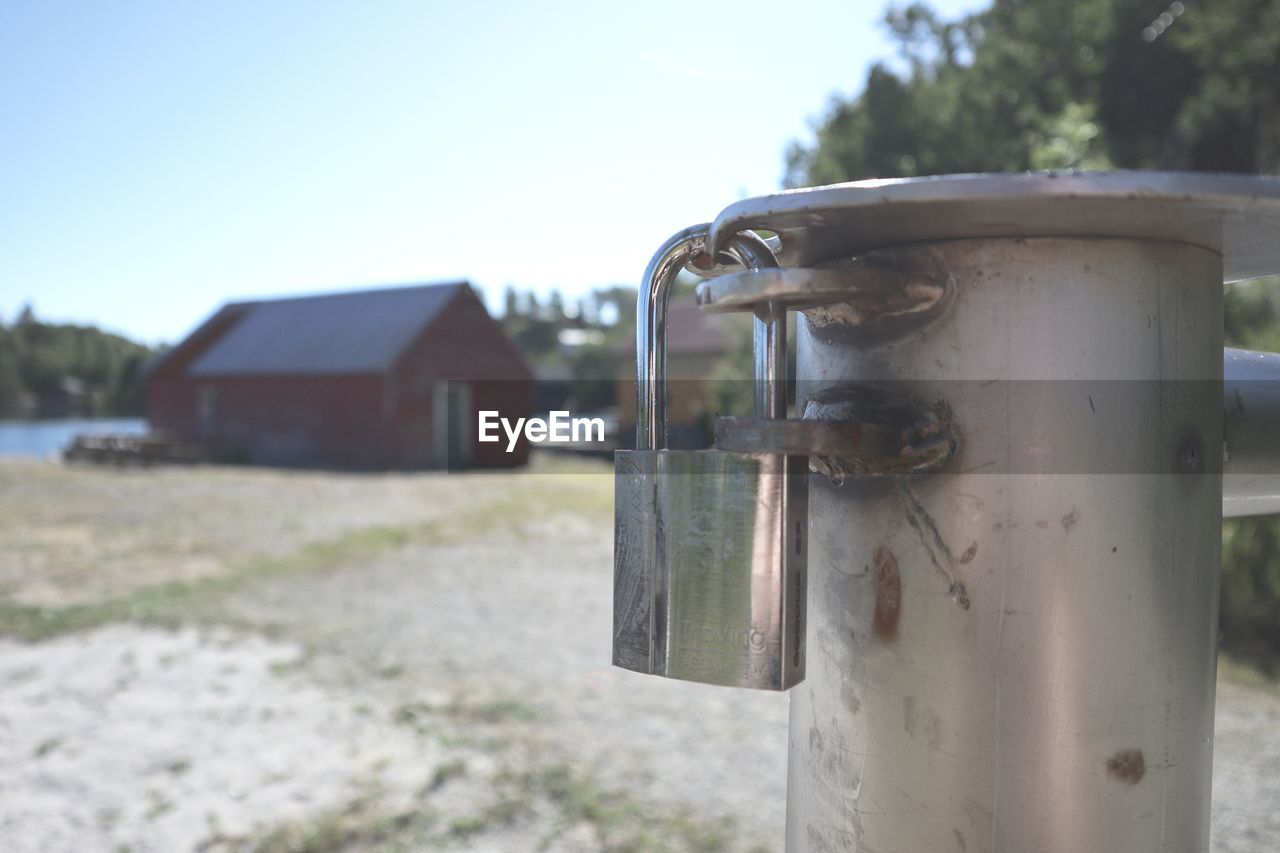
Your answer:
<point x="576" y="342"/>
<point x="60" y="370"/>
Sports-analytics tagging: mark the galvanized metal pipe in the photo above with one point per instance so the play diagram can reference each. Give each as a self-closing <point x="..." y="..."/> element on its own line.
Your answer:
<point x="769" y="327"/>
<point x="1007" y="659"/>
<point x="769" y="330"/>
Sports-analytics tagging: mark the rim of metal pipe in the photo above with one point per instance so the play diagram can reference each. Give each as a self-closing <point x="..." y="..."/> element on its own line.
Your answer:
<point x="1237" y="216"/>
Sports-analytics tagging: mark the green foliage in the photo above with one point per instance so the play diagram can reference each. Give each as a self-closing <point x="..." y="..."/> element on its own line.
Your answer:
<point x="1041" y="84"/>
<point x="1032" y="84"/>
<point x="732" y="392"/>
<point x="602" y="322"/>
<point x="55" y="370"/>
<point x="732" y="381"/>
<point x="1251" y="311"/>
<point x="1250" y="601"/>
<point x="592" y="370"/>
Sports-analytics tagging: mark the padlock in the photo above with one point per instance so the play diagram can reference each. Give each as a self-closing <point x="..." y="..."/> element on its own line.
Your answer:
<point x="709" y="545"/>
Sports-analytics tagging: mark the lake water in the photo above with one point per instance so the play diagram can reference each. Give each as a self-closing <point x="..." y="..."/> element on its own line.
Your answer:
<point x="45" y="438"/>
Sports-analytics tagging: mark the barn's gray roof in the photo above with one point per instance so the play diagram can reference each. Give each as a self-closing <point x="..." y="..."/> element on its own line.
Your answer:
<point x="363" y="331"/>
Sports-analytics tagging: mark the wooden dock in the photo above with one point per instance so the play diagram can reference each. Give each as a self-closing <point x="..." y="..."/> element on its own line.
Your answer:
<point x="140" y="450"/>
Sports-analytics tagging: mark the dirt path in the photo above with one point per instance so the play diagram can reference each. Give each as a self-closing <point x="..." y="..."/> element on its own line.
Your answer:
<point x="531" y="619"/>
<point x="1246" y="771"/>
<point x="383" y="663"/>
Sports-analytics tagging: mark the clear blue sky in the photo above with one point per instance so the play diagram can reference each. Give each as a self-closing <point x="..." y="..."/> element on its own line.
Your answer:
<point x="158" y="159"/>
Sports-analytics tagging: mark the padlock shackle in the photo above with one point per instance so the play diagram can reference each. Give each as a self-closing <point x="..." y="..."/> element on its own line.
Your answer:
<point x="753" y="253"/>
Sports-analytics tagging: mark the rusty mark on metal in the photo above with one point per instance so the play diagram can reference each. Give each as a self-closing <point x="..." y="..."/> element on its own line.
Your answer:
<point x="888" y="587"/>
<point x="1127" y="765"/>
<point x="891" y="292"/>
<point x="898" y="435"/>
<point x="1069" y="520"/>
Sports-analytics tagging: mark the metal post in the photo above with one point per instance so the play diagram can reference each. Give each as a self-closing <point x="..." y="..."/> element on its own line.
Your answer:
<point x="1019" y="654"/>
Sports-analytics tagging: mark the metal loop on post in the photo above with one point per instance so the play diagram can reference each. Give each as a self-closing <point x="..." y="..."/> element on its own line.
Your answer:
<point x="651" y="332"/>
<point x="679" y="250"/>
<point x="769" y="330"/>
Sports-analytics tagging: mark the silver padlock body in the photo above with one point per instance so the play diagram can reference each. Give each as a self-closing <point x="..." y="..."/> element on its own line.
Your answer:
<point x="710" y="559"/>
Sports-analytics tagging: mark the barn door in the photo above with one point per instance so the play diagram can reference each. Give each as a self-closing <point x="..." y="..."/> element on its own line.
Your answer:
<point x="451" y="427"/>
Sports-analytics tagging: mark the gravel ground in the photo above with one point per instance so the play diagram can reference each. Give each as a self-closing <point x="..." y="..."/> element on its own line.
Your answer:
<point x="388" y="662"/>
<point x="1246" y="771"/>
<point x="125" y="737"/>
<point x="532" y="619"/>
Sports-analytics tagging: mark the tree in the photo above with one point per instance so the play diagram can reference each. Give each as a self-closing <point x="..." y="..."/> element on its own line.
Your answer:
<point x="39" y="360"/>
<point x="555" y="306"/>
<point x="12" y="390"/>
<point x="1041" y="84"/>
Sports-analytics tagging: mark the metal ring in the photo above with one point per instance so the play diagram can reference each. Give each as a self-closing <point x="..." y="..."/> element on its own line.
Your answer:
<point x="721" y="266"/>
<point x="769" y="329"/>
<point x="795" y="287"/>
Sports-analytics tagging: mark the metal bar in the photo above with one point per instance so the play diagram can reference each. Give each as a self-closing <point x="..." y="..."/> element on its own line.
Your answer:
<point x="1251" y="433"/>
<point x="769" y="330"/>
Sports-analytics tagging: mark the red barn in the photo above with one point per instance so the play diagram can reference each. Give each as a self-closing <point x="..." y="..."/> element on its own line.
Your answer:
<point x="389" y="378"/>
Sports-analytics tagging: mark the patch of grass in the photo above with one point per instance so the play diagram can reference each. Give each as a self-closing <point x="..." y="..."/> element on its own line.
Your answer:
<point x="491" y="712"/>
<point x="559" y="794"/>
<point x="552" y="487"/>
<point x="622" y="824"/>
<point x="1240" y="672"/>
<point x="175" y="602"/>
<point x="47" y="746"/>
<point x="359" y="825"/>
<point x="446" y="773"/>
<point x="160" y="805"/>
<point x="495" y="743"/>
<point x="412" y="713"/>
<point x="504" y="812"/>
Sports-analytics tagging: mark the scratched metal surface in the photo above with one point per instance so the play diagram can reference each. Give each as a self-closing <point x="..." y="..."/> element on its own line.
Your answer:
<point x="1008" y="660"/>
